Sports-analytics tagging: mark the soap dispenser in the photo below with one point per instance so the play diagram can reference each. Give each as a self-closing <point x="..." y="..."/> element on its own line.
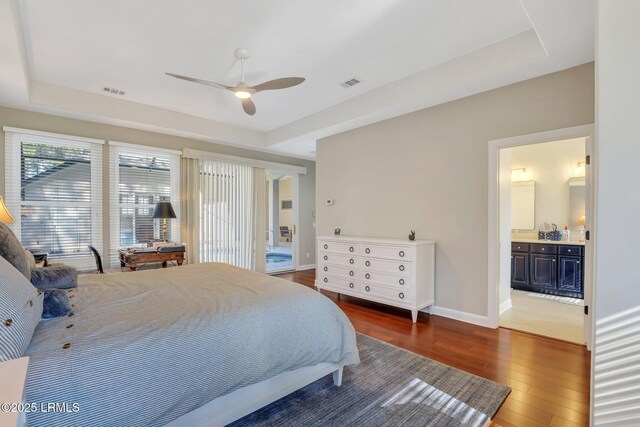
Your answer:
<point x="565" y="234"/>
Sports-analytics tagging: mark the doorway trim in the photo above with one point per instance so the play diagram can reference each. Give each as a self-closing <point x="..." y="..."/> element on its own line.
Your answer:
<point x="493" y="218"/>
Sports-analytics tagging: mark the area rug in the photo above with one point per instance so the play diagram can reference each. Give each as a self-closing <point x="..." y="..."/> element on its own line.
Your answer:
<point x="390" y="387"/>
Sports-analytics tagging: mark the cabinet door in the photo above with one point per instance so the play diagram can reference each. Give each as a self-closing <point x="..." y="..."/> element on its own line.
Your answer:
<point x="543" y="271"/>
<point x="519" y="269"/>
<point x="570" y="274"/>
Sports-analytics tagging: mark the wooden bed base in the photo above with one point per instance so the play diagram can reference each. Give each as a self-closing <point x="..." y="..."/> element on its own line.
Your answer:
<point x="235" y="405"/>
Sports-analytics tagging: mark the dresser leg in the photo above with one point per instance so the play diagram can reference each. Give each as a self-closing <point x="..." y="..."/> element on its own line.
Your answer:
<point x="414" y="315"/>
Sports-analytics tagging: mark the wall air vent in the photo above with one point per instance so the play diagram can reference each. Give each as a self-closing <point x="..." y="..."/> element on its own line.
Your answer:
<point x="350" y="83"/>
<point x="113" y="91"/>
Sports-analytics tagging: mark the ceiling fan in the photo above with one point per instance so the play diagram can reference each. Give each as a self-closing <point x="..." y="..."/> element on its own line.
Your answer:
<point x="242" y="90"/>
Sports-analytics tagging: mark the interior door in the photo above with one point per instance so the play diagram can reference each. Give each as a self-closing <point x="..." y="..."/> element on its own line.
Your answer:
<point x="589" y="244"/>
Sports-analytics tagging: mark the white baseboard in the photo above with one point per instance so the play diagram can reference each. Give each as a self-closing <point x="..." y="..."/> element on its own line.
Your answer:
<point x="506" y="305"/>
<point x="306" y="267"/>
<point x="463" y="316"/>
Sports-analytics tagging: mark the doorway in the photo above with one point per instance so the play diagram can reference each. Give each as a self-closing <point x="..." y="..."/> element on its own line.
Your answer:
<point x="281" y="205"/>
<point x="541" y="261"/>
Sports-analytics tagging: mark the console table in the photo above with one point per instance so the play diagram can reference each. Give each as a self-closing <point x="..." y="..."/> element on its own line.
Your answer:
<point x="133" y="259"/>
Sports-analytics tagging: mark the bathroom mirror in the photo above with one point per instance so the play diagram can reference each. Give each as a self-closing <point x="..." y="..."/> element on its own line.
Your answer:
<point x="523" y="205"/>
<point x="577" y="206"/>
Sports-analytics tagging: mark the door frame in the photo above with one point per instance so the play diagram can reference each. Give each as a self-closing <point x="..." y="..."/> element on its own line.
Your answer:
<point x="583" y="131"/>
<point x="295" y="220"/>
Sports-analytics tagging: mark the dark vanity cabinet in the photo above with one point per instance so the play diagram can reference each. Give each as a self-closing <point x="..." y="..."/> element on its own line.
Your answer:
<point x="555" y="269"/>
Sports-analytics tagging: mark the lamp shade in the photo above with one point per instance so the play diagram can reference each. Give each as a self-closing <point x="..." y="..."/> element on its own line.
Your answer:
<point x="163" y="210"/>
<point x="5" y="216"/>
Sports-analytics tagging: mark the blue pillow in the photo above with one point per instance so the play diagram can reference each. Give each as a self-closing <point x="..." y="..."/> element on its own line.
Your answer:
<point x="20" y="311"/>
<point x="56" y="304"/>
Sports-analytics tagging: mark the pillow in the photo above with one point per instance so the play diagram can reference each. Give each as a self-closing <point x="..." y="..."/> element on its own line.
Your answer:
<point x="12" y="251"/>
<point x="20" y="311"/>
<point x="55" y="304"/>
<point x="30" y="258"/>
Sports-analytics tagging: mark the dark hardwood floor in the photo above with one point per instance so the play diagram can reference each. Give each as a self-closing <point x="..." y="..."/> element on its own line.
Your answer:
<point x="549" y="378"/>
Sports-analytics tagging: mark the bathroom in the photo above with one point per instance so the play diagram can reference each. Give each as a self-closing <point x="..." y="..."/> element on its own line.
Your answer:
<point x="548" y="191"/>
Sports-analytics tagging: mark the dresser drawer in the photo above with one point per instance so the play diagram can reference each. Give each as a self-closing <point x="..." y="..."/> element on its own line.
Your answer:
<point x="574" y="250"/>
<point x="389" y="252"/>
<point x="338" y="247"/>
<point x="543" y="249"/>
<point x="519" y="247"/>
<point x="398" y="296"/>
<point x="338" y="283"/>
<point x="385" y="279"/>
<point x="386" y="266"/>
<point x="338" y="270"/>
<point x="338" y="259"/>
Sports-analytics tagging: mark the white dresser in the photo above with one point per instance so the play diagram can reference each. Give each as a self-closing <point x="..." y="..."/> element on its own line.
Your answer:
<point x="389" y="271"/>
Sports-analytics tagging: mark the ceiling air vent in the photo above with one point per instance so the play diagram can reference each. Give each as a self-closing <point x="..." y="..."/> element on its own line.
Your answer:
<point x="350" y="83"/>
<point x="113" y="91"/>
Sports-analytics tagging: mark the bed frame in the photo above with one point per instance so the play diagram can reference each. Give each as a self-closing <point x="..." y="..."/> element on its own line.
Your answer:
<point x="235" y="405"/>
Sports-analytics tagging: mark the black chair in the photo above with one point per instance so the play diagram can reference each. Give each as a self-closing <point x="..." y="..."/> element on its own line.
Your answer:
<point x="96" y="255"/>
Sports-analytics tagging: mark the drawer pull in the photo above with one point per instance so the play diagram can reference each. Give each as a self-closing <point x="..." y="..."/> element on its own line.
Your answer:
<point x="351" y="261"/>
<point x="401" y="281"/>
<point x="578" y="262"/>
<point x="366" y="288"/>
<point x="350" y="248"/>
<point x="401" y="253"/>
<point x="553" y="260"/>
<point x="326" y="268"/>
<point x="367" y="263"/>
<point x="326" y="257"/>
<point x="326" y="246"/>
<point x="401" y="267"/>
<point x="367" y="250"/>
<point x="325" y="280"/>
<point x="568" y="250"/>
<point x="367" y="276"/>
<point x="351" y="285"/>
<point x="401" y="295"/>
<point x="351" y="273"/>
<point x="543" y="249"/>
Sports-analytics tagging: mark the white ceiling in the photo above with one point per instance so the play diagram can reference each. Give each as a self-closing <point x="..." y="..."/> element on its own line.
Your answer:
<point x="409" y="54"/>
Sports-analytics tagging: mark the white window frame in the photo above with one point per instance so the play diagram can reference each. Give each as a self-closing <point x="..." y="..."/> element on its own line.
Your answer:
<point x="13" y="138"/>
<point x="116" y="148"/>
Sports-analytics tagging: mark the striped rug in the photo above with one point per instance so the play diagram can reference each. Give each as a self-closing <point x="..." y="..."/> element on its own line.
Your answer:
<point x="390" y="387"/>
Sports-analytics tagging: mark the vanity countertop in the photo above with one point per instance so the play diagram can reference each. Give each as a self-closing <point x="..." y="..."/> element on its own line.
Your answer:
<point x="546" y="242"/>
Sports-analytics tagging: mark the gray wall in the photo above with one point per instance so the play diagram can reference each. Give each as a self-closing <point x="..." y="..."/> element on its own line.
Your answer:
<point x="50" y="123"/>
<point x="428" y="171"/>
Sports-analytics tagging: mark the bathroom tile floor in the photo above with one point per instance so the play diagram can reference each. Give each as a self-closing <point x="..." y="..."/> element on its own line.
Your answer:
<point x="544" y="316"/>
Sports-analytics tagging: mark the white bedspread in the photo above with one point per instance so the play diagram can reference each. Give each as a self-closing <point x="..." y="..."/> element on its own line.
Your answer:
<point x="148" y="347"/>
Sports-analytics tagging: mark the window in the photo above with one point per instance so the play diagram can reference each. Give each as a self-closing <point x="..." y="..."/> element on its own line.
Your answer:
<point x="286" y="204"/>
<point x="55" y="183"/>
<point x="140" y="178"/>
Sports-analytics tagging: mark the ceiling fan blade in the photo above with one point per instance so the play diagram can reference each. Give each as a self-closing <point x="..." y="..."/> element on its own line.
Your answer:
<point x="204" y="82"/>
<point x="248" y="106"/>
<point x="282" y="83"/>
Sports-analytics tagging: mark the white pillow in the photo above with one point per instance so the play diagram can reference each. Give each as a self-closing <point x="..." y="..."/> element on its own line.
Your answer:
<point x="20" y="311"/>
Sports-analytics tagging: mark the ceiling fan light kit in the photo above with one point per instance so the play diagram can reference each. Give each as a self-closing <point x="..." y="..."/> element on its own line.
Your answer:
<point x="242" y="90"/>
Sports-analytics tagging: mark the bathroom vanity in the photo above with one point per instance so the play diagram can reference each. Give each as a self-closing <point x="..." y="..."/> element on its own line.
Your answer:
<point x="548" y="267"/>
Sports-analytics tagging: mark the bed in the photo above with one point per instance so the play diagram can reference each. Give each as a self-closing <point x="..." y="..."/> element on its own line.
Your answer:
<point x="202" y="344"/>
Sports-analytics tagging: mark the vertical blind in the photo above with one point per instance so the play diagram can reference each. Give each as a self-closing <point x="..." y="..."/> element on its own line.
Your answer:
<point x="140" y="178"/>
<point x="54" y="190"/>
<point x="226" y="217"/>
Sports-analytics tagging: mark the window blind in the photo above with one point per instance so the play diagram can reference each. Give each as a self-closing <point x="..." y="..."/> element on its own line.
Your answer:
<point x="140" y="178"/>
<point x="55" y="186"/>
<point x="226" y="217"/>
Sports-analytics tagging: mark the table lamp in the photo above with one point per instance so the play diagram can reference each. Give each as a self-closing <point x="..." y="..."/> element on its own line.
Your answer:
<point x="164" y="210"/>
<point x="5" y="216"/>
